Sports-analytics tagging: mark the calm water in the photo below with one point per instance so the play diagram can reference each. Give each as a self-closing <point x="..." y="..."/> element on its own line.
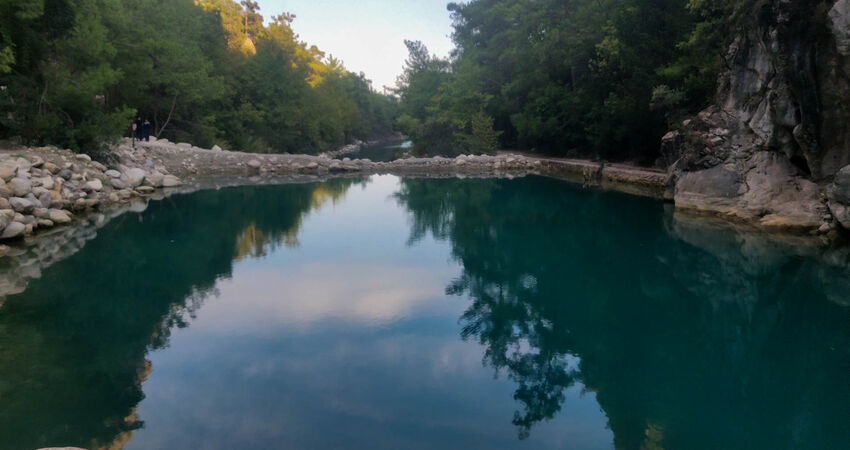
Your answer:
<point x="412" y="313"/>
<point x="387" y="151"/>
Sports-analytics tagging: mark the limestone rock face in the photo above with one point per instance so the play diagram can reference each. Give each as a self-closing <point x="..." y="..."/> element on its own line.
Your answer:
<point x="839" y="197"/>
<point x="780" y="129"/>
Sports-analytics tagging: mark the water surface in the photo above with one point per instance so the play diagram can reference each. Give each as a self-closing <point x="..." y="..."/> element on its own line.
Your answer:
<point x="427" y="313"/>
<point x="383" y="152"/>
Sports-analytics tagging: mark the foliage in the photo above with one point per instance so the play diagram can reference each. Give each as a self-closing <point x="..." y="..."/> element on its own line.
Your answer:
<point x="75" y="72"/>
<point x="567" y="76"/>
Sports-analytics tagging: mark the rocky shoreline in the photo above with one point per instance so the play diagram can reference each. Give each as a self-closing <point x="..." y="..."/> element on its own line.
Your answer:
<point x="53" y="201"/>
<point x="42" y="188"/>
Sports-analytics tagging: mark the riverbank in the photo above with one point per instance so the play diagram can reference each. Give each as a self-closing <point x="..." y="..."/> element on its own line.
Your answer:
<point x="45" y="187"/>
<point x="88" y="194"/>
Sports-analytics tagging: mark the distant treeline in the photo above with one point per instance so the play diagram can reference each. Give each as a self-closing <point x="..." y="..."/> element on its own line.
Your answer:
<point x="77" y="72"/>
<point x="598" y="78"/>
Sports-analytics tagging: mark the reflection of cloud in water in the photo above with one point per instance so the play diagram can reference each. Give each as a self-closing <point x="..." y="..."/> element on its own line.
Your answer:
<point x="376" y="294"/>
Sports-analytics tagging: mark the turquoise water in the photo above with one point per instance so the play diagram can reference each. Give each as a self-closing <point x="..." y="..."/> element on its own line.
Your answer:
<point x="428" y="313"/>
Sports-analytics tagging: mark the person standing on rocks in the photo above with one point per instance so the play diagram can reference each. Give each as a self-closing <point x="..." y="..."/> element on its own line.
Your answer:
<point x="146" y="130"/>
<point x="134" y="133"/>
<point x="138" y="127"/>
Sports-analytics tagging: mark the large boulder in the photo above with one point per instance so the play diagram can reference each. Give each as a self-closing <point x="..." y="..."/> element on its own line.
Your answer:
<point x="135" y="177"/>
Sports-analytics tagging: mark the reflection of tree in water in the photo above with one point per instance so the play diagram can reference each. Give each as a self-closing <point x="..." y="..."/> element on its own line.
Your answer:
<point x="256" y="242"/>
<point x="73" y="347"/>
<point x="683" y="348"/>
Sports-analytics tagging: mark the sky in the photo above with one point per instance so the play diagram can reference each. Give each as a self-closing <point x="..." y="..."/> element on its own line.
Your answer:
<point x="368" y="35"/>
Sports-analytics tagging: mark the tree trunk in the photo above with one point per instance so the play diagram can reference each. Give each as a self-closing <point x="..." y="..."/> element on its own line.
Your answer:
<point x="167" y="119"/>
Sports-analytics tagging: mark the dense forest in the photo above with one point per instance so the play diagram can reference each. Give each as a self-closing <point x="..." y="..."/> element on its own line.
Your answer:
<point x="76" y="72"/>
<point x="598" y="78"/>
<point x="593" y="78"/>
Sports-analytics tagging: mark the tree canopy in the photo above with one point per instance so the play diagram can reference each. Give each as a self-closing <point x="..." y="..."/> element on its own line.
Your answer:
<point x="601" y="78"/>
<point x="75" y="73"/>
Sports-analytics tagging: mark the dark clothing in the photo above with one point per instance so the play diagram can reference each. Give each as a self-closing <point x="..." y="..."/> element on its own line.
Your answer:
<point x="139" y="125"/>
<point x="146" y="131"/>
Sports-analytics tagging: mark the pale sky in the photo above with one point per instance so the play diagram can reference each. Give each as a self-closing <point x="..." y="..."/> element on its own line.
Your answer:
<point x="368" y="35"/>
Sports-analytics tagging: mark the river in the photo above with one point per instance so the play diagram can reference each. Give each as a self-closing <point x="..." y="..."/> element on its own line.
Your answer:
<point x="388" y="312"/>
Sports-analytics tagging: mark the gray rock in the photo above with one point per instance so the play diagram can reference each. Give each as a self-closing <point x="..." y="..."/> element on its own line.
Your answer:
<point x="4" y="203"/>
<point x="47" y="182"/>
<point x="13" y="230"/>
<point x="20" y="186"/>
<point x="117" y="183"/>
<point x="839" y="197"/>
<point x="153" y="179"/>
<point x="21" y="205"/>
<point x="135" y="177"/>
<point x="113" y="174"/>
<point x="145" y="189"/>
<point x="66" y="174"/>
<point x="45" y="223"/>
<point x="216" y="148"/>
<point x="839" y="23"/>
<point x="41" y="213"/>
<point x="170" y="181"/>
<point x="59" y="216"/>
<point x="94" y="185"/>
<point x="254" y="164"/>
<point x="8" y="170"/>
<point x="83" y="157"/>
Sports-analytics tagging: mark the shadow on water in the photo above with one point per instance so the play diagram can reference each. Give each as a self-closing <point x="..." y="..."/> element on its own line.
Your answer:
<point x="692" y="334"/>
<point x="72" y="353"/>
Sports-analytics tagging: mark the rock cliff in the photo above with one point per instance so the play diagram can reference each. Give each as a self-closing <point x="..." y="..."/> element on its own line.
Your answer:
<point x="779" y="132"/>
